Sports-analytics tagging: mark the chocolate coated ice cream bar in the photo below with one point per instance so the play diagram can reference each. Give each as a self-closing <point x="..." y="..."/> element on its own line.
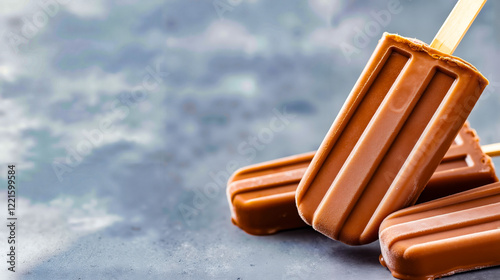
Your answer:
<point x="453" y="234"/>
<point x="262" y="196"/>
<point x="388" y="139"/>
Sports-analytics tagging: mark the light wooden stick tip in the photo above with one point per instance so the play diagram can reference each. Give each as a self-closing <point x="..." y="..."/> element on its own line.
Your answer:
<point x="492" y="150"/>
<point x="456" y="25"/>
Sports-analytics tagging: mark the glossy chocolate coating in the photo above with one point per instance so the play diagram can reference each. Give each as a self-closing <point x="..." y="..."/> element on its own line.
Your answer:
<point x="453" y="234"/>
<point x="388" y="139"/>
<point x="262" y="196"/>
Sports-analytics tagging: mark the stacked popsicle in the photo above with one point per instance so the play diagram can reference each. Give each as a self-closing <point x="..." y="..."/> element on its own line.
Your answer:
<point x="387" y="145"/>
<point x="262" y="196"/>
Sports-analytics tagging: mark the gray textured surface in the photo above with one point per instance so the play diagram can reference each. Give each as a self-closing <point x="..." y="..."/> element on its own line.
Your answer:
<point x="116" y="213"/>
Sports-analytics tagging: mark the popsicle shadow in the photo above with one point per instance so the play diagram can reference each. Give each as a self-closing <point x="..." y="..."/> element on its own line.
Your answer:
<point x="303" y="235"/>
<point x="366" y="255"/>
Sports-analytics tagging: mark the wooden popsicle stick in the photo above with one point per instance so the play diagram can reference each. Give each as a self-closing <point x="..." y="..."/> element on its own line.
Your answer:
<point x="492" y="150"/>
<point x="456" y="25"/>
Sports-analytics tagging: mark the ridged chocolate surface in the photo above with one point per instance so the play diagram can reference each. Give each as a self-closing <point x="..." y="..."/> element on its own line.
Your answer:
<point x="390" y="136"/>
<point x="441" y="237"/>
<point x="262" y="196"/>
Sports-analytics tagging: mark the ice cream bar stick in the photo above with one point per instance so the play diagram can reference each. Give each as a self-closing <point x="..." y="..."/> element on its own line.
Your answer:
<point x="456" y="25"/>
<point x="492" y="150"/>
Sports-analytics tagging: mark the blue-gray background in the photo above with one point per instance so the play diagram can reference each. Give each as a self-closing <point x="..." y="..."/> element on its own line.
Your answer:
<point x="138" y="201"/>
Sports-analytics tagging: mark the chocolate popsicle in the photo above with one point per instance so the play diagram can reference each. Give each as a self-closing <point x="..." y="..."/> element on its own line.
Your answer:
<point x="389" y="137"/>
<point x="465" y="166"/>
<point x="262" y="196"/>
<point x="453" y="234"/>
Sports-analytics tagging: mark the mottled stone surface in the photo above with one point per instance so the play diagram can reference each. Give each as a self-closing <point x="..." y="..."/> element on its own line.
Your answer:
<point x="125" y="118"/>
